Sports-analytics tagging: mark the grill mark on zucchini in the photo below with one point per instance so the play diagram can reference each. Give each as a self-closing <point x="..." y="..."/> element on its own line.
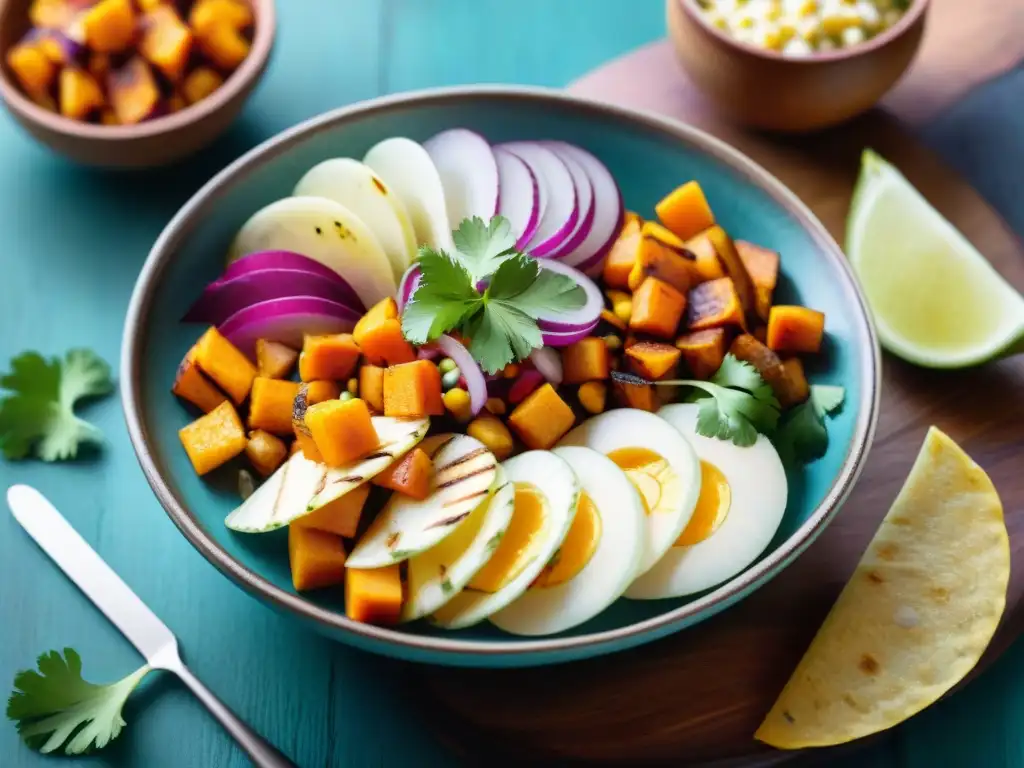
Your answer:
<point x="442" y="446"/>
<point x="462" y="459"/>
<point x="449" y="520"/>
<point x="457" y="480"/>
<point x="280" y="490"/>
<point x="379" y="455"/>
<point x="320" y="484"/>
<point x="348" y="479"/>
<point x="453" y="502"/>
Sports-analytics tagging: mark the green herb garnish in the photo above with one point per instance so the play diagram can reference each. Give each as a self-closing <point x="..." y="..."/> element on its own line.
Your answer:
<point x="39" y="412"/>
<point x="803" y="435"/>
<point x="500" y="322"/>
<point x="55" y="707"/>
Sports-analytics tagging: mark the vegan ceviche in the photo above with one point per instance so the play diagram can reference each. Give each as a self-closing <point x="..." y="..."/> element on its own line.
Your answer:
<point x="475" y="387"/>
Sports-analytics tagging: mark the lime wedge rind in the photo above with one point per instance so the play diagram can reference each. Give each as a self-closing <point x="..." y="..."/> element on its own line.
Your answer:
<point x="880" y="184"/>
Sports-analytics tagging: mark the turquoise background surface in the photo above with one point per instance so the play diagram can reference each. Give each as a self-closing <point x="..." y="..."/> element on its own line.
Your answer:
<point x="71" y="243"/>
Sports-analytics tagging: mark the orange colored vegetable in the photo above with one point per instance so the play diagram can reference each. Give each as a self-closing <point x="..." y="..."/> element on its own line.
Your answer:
<point x="270" y="405"/>
<point x="413" y="390"/>
<point x="303" y="437"/>
<point x="653" y="359"/>
<point x="586" y="360"/>
<point x="33" y="69"/>
<point x="379" y="334"/>
<point x="791" y="386"/>
<point x="763" y="267"/>
<point x="51" y="14"/>
<point x="207" y="14"/>
<point x="328" y="357"/>
<point x="109" y="26"/>
<point x="317" y="558"/>
<point x="214" y="438"/>
<point x="374" y="595"/>
<point x="200" y="83"/>
<point x="341" y="516"/>
<point x="80" y="94"/>
<point x="166" y="42"/>
<point x="319" y="391"/>
<point x="706" y="260"/>
<point x="225" y="46"/>
<point x="657" y="308"/>
<point x="191" y="385"/>
<point x="703" y="351"/>
<point x="619" y="262"/>
<point x="542" y="418"/>
<point x="795" y="329"/>
<point x="746" y="347"/>
<point x="685" y="211"/>
<point x="714" y="304"/>
<point x="662" y="255"/>
<point x="274" y="360"/>
<point x="640" y="396"/>
<point x="225" y="364"/>
<point x="342" y="430"/>
<point x="490" y="431"/>
<point x="149" y="5"/>
<point x="265" y="452"/>
<point x="133" y="91"/>
<point x="411" y="475"/>
<point x="612" y="319"/>
<point x="734" y="268"/>
<point x="371" y="387"/>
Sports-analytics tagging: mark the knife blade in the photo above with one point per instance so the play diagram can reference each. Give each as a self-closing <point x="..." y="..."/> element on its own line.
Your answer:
<point x="85" y="568"/>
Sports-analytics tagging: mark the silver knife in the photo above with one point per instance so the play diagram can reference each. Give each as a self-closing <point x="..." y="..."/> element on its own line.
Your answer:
<point x="129" y="614"/>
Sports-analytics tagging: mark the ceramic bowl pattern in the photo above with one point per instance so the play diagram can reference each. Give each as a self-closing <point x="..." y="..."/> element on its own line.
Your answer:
<point x="648" y="156"/>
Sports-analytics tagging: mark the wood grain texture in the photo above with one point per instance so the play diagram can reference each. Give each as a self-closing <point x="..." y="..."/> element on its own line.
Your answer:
<point x="697" y="697"/>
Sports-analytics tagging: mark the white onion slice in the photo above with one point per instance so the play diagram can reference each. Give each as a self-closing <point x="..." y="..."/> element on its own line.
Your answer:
<point x="584" y="317"/>
<point x="469" y="174"/>
<point x="549" y="363"/>
<point x="558" y="196"/>
<point x="584" y="200"/>
<point x="608" y="210"/>
<point x="519" y="195"/>
<point x="470" y="370"/>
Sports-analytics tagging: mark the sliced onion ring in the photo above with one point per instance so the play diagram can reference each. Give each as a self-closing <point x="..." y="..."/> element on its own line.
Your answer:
<point x="584" y="200"/>
<point x="287" y="321"/>
<point x="548" y="363"/>
<point x="608" y="210"/>
<point x="261" y="260"/>
<point x="557" y="194"/>
<point x="519" y="194"/>
<point x="469" y="368"/>
<point x="565" y="338"/>
<point x="584" y="317"/>
<point x="407" y="285"/>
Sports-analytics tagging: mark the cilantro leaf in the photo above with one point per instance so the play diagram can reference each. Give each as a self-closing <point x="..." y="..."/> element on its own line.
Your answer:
<point x="534" y="290"/>
<point x="501" y="334"/>
<point x="827" y="399"/>
<point x="803" y="436"/>
<point x="444" y="298"/>
<point x="482" y="247"/>
<point x="40" y="412"/>
<point x="740" y="374"/>
<point x="55" y="707"/>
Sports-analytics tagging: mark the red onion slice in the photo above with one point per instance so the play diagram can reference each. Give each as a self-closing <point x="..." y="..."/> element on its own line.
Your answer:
<point x="469" y="174"/>
<point x="407" y="285"/>
<point x="287" y="321"/>
<point x="585" y="316"/>
<point x="565" y="338"/>
<point x="256" y="262"/>
<point x="557" y="194"/>
<point x="549" y="363"/>
<point x="584" y="197"/>
<point x="519" y="195"/>
<point x="608" y="210"/>
<point x="476" y="384"/>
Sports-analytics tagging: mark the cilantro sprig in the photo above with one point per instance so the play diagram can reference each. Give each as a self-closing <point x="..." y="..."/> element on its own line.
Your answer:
<point x="55" y="707"/>
<point x="500" y="320"/>
<point x="38" y="413"/>
<point x="803" y="436"/>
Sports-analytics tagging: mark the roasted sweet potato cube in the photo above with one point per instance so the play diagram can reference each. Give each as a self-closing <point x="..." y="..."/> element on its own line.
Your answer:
<point x="207" y="14"/>
<point x="33" y="69"/>
<point x="321" y="391"/>
<point x="190" y="384"/>
<point x="200" y="83"/>
<point x="706" y="260"/>
<point x="371" y="387"/>
<point x="703" y="351"/>
<point x="341" y="516"/>
<point x="542" y="418"/>
<point x="653" y="359"/>
<point x="657" y="309"/>
<point x="620" y="259"/>
<point x="214" y="438"/>
<point x="274" y="360"/>
<point x="265" y="452"/>
<point x="745" y="347"/>
<point x="109" y="26"/>
<point x="225" y="46"/>
<point x="80" y="94"/>
<point x="166" y="42"/>
<point x="317" y="558"/>
<point x="639" y="396"/>
<point x="342" y="430"/>
<point x="225" y="364"/>
<point x="133" y="91"/>
<point x="328" y="357"/>
<point x="763" y="267"/>
<point x="379" y="335"/>
<point x="413" y="390"/>
<point x="714" y="304"/>
<point x="685" y="211"/>
<point x="662" y="255"/>
<point x="374" y="595"/>
<point x="270" y="405"/>
<point x="791" y="387"/>
<point x="734" y="268"/>
<point x="795" y="329"/>
<point x="586" y="360"/>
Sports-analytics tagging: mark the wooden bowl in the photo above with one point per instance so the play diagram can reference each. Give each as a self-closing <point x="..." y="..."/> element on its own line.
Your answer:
<point x="764" y="89"/>
<point x="151" y="143"/>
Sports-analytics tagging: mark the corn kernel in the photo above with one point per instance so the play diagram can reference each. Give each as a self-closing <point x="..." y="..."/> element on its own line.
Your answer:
<point x="495" y="405"/>
<point x="458" y="404"/>
<point x="623" y="309"/>
<point x="353" y="386"/>
<point x="593" y="396"/>
<point x="613" y="342"/>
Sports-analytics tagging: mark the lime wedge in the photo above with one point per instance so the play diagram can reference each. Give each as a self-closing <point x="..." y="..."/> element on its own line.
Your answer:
<point x="937" y="301"/>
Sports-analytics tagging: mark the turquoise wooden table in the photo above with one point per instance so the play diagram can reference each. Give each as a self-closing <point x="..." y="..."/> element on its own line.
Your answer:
<point x="71" y="244"/>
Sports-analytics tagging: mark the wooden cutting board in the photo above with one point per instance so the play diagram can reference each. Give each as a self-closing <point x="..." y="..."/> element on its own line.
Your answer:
<point x="697" y="697"/>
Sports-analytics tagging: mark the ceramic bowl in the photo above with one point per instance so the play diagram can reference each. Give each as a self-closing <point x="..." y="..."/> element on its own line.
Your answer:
<point x="764" y="89"/>
<point x="648" y="156"/>
<point x="151" y="143"/>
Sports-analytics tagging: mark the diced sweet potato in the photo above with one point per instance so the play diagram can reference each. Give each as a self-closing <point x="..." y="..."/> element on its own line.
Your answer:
<point x="80" y="94"/>
<point x="791" y="386"/>
<point x="133" y="91"/>
<point x="34" y="71"/>
<point x="685" y="211"/>
<point x="612" y="319"/>
<point x="413" y="390"/>
<point x="342" y="430"/>
<point x="411" y="475"/>
<point x="225" y="46"/>
<point x="321" y="391"/>
<point x="341" y="516"/>
<point x="270" y="405"/>
<point x="662" y="255"/>
<point x="734" y="268"/>
<point x="317" y="558"/>
<point x="657" y="309"/>
<point x="640" y="396"/>
<point x="207" y="14"/>
<point x="214" y="438"/>
<point x="703" y="351"/>
<point x="371" y="387"/>
<point x="328" y="357"/>
<point x="490" y="431"/>
<point x="707" y="262"/>
<point x="746" y="347"/>
<point x="166" y="42"/>
<point x="225" y="364"/>
<point x="619" y="262"/>
<point x="191" y="385"/>
<point x="795" y="329"/>
<point x="303" y="437"/>
<point x="265" y="452"/>
<point x="542" y="418"/>
<point x="374" y="595"/>
<point x="379" y="334"/>
<point x="200" y="83"/>
<point x="586" y="360"/>
<point x="109" y="26"/>
<point x="714" y="304"/>
<point x="274" y="360"/>
<point x="653" y="359"/>
<point x="763" y="267"/>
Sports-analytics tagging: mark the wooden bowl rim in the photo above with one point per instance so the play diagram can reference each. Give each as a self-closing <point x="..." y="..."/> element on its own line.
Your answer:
<point x="262" y="43"/>
<point x="915" y="12"/>
<point x="453" y="651"/>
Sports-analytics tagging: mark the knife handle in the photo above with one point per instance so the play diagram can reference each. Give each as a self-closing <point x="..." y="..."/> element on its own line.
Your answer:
<point x="262" y="753"/>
